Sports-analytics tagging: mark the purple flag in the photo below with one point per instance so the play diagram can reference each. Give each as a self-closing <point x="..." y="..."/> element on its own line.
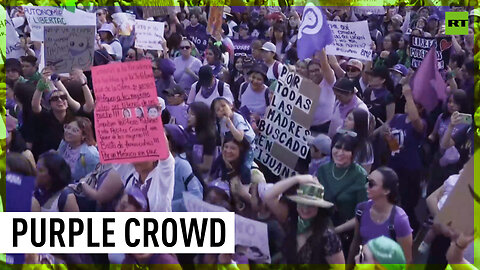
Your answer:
<point x="314" y="33"/>
<point x="428" y="86"/>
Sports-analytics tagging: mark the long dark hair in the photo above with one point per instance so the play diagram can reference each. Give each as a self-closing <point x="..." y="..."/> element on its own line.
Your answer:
<point x="205" y="125"/>
<point x="17" y="163"/>
<point x="361" y="127"/>
<point x="58" y="169"/>
<point x="321" y="223"/>
<point x="390" y="182"/>
<point x="24" y="94"/>
<point x="459" y="97"/>
<point x="280" y="26"/>
<point x="347" y="142"/>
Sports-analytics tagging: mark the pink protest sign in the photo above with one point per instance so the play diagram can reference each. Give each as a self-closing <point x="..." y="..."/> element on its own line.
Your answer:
<point x="128" y="121"/>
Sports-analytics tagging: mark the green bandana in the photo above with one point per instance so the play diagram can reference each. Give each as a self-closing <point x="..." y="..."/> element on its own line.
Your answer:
<point x="303" y="224"/>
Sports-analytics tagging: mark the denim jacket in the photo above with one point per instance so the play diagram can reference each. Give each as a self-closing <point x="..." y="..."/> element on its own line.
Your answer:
<point x="86" y="163"/>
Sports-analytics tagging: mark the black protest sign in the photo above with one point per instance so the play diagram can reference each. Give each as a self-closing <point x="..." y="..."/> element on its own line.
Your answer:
<point x="242" y="46"/>
<point x="419" y="47"/>
<point x="68" y="47"/>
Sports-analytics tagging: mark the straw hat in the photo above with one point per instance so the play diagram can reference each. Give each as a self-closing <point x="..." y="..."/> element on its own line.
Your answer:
<point x="311" y="194"/>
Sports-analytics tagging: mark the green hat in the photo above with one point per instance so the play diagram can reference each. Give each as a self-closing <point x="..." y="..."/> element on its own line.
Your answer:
<point x="311" y="194"/>
<point x="387" y="252"/>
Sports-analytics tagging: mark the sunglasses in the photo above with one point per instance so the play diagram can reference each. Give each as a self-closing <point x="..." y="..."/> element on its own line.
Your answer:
<point x="155" y="68"/>
<point x="100" y="14"/>
<point x="352" y="69"/>
<point x="185" y="47"/>
<point x="57" y="98"/>
<point x="361" y="255"/>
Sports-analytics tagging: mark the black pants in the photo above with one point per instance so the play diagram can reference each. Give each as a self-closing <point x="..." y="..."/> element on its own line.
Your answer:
<point x="438" y="250"/>
<point x="410" y="191"/>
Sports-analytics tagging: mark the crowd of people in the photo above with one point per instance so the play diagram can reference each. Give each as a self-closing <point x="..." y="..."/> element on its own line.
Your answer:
<point x="376" y="153"/>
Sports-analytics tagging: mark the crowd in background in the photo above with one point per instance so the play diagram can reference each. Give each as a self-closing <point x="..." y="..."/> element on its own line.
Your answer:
<point x="376" y="154"/>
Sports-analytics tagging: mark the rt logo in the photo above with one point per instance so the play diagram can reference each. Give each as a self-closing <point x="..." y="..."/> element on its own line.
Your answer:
<point x="456" y="23"/>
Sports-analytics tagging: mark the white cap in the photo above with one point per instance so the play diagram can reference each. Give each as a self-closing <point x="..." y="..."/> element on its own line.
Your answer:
<point x="161" y="101"/>
<point x="269" y="47"/>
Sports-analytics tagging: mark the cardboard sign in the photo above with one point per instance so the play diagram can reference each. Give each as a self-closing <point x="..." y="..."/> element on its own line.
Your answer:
<point x="419" y="47"/>
<point x="351" y="39"/>
<point x="194" y="204"/>
<point x="128" y="121"/>
<point x="285" y="126"/>
<point x="463" y="196"/>
<point x="19" y="186"/>
<point x="215" y="20"/>
<point x="154" y="11"/>
<point x="40" y="16"/>
<point x="9" y="36"/>
<point x="251" y="239"/>
<point x="124" y="22"/>
<point x="368" y="10"/>
<point x="68" y="47"/>
<point x="148" y="35"/>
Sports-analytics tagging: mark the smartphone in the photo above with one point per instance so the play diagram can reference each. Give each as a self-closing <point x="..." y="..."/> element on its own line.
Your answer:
<point x="465" y="118"/>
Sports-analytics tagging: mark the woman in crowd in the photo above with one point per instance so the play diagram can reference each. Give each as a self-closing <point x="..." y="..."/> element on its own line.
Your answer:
<point x="107" y="36"/>
<point x="382" y="252"/>
<point x="408" y="131"/>
<point x="78" y="147"/>
<point x="53" y="176"/>
<point x="389" y="57"/>
<point x="23" y="93"/>
<point x="445" y="162"/>
<point x="202" y="136"/>
<point x="344" y="182"/>
<point x="380" y="216"/>
<point x="185" y="179"/>
<point x="254" y="95"/>
<point x="186" y="66"/>
<point x="163" y="70"/>
<point x="15" y="142"/>
<point x="358" y="121"/>
<point x="280" y="39"/>
<point x="310" y="239"/>
<point x="213" y="58"/>
<point x="208" y="88"/>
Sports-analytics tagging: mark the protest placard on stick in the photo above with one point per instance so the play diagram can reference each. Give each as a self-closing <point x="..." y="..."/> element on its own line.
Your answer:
<point x="127" y="115"/>
<point x="148" y="35"/>
<point x="68" y="47"/>
<point x="351" y="39"/>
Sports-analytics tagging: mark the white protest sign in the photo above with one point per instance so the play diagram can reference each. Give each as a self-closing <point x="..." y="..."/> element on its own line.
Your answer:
<point x="68" y="47"/>
<point x="148" y="35"/>
<point x="13" y="46"/>
<point x="194" y="204"/>
<point x="367" y="10"/>
<point x="252" y="237"/>
<point x="38" y="17"/>
<point x="125" y="22"/>
<point x="351" y="39"/>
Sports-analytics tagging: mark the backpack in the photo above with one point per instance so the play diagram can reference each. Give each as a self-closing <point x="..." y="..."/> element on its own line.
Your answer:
<point x="244" y="87"/>
<point x="221" y="85"/>
<point x="391" y="219"/>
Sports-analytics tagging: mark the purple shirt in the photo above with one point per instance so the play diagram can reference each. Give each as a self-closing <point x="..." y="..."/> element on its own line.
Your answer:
<point x="370" y="230"/>
<point x="180" y="112"/>
<point x="340" y="112"/>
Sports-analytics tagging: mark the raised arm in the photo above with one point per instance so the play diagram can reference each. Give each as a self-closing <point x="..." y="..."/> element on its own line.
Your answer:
<point x="72" y="103"/>
<point x="79" y="76"/>
<point x="339" y="72"/>
<point x="411" y="109"/>
<point x="280" y="210"/>
<point x="327" y="71"/>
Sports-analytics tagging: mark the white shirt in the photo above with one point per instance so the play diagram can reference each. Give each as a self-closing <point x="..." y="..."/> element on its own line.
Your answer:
<point x="271" y="74"/>
<point x="159" y="183"/>
<point x="326" y="103"/>
<point x="193" y="97"/>
<point x="255" y="101"/>
<point x="448" y="186"/>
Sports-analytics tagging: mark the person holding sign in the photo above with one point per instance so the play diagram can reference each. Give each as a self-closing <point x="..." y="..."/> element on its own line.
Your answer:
<point x="309" y="236"/>
<point x="107" y="36"/>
